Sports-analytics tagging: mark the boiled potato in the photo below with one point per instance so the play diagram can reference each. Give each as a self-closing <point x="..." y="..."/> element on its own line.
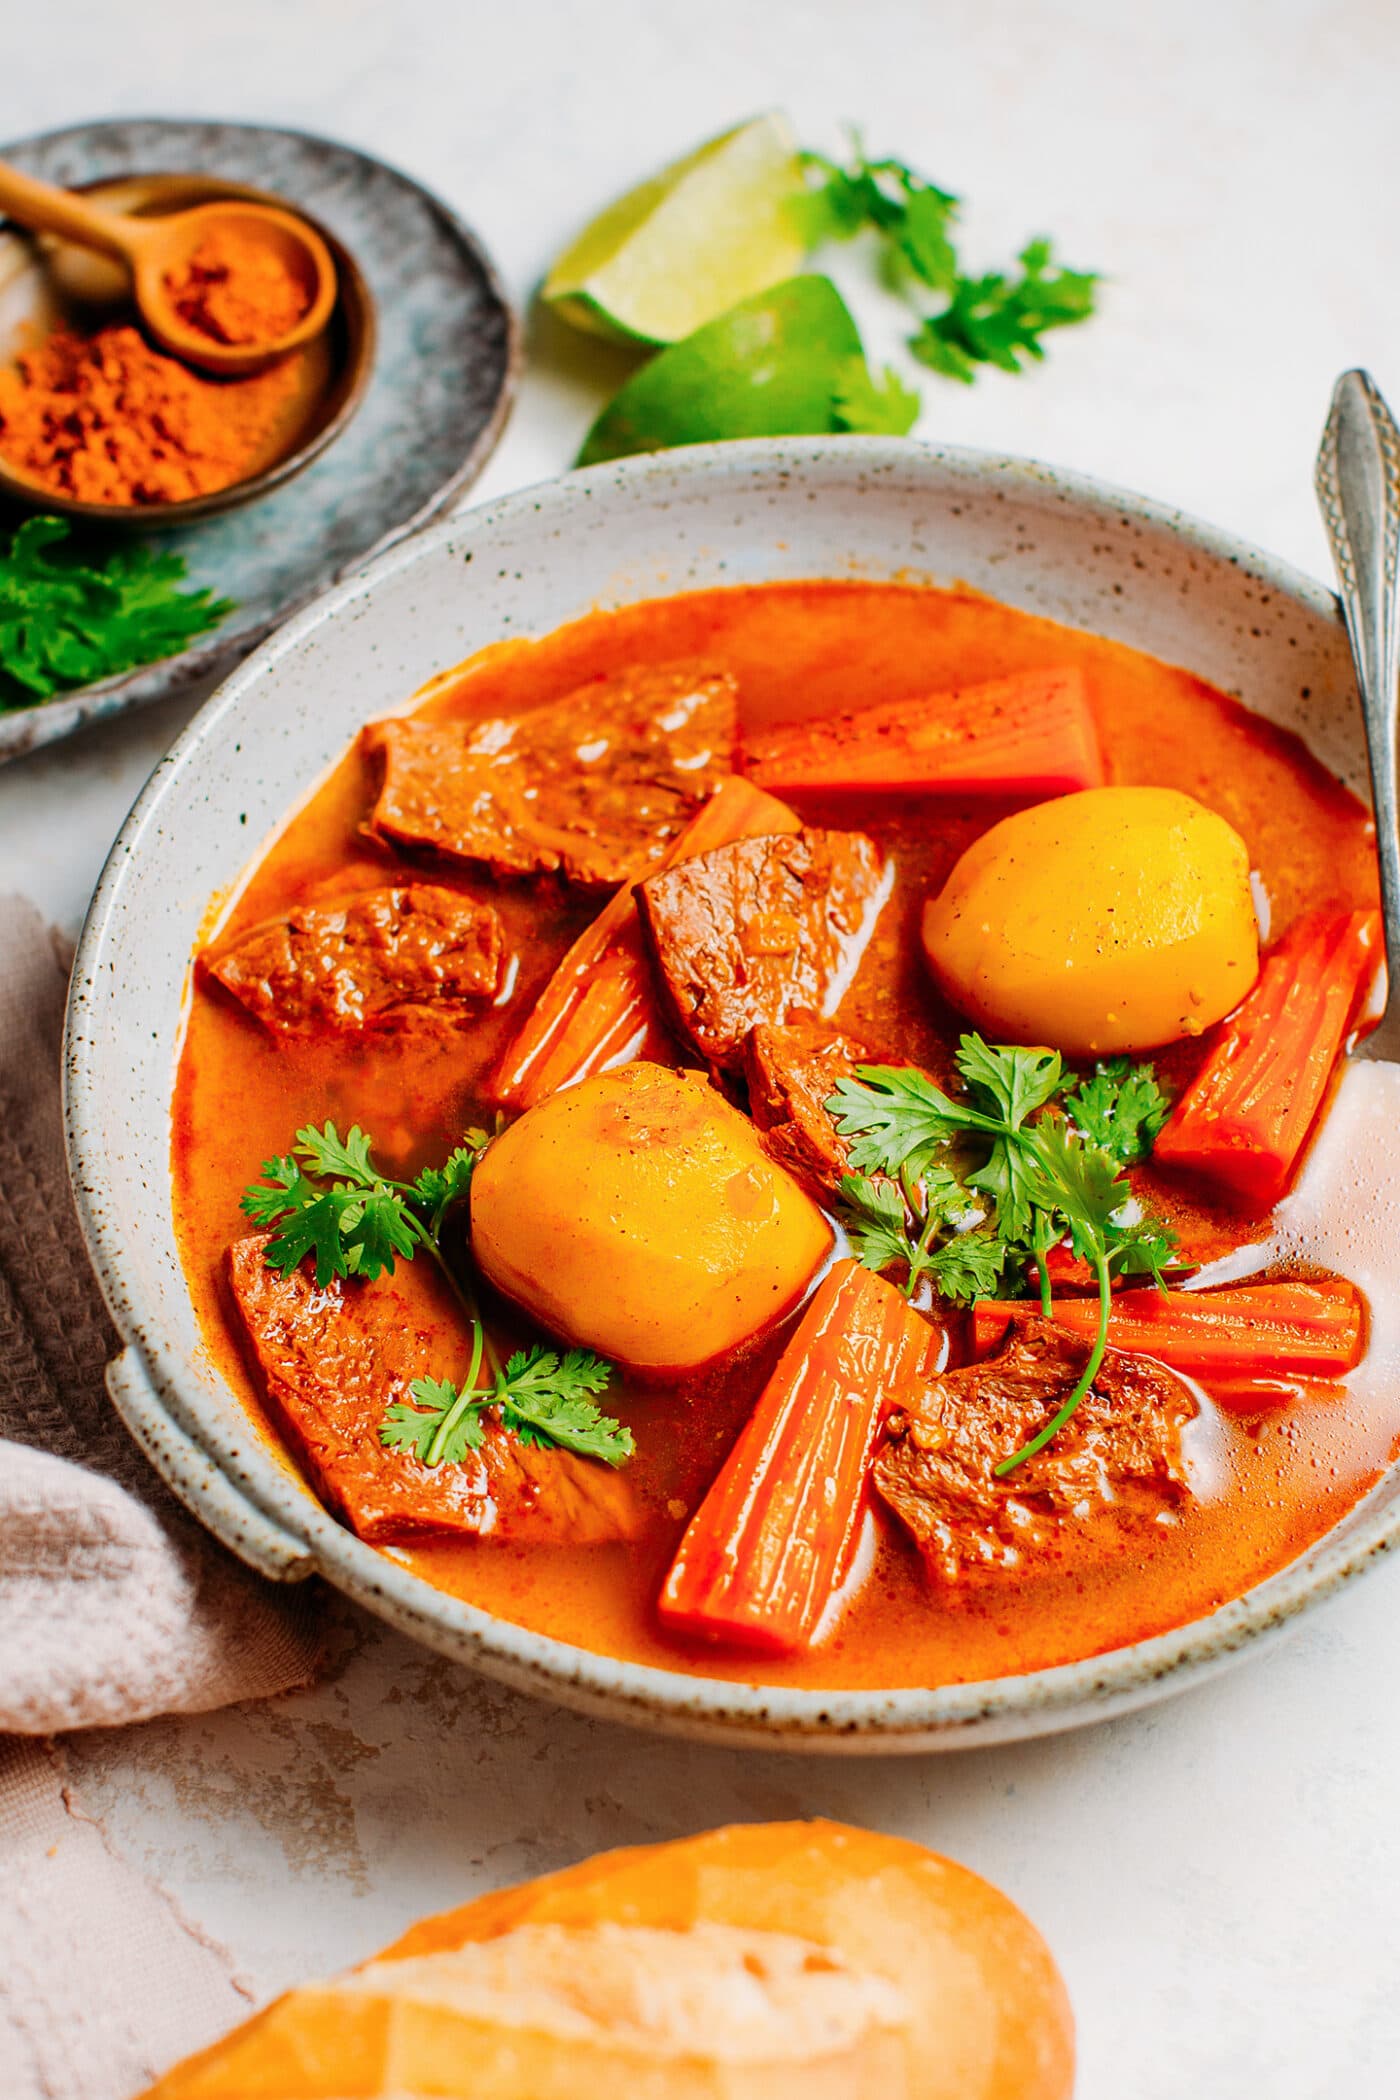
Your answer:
<point x="636" y="1213"/>
<point x="778" y="1961"/>
<point x="1116" y="919"/>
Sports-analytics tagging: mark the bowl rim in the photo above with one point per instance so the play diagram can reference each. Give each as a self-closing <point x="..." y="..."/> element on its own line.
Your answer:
<point x="675" y="1702"/>
<point x="354" y="312"/>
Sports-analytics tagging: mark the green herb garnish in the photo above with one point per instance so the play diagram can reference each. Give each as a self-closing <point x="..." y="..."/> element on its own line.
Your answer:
<point x="964" y="1191"/>
<point x="997" y="318"/>
<point x="69" y="618"/>
<point x="328" y="1199"/>
<point x="883" y="406"/>
<point x="1121" y="1109"/>
<point x="541" y="1396"/>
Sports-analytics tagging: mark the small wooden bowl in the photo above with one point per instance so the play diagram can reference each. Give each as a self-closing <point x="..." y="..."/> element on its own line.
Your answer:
<point x="47" y="284"/>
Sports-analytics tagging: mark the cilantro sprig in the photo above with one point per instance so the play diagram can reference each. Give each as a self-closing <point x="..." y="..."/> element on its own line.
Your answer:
<point x="967" y="1191"/>
<point x="541" y="1396"/>
<point x="998" y="318"/>
<point x="1120" y="1108"/>
<point x="329" y="1200"/>
<point x="68" y="618"/>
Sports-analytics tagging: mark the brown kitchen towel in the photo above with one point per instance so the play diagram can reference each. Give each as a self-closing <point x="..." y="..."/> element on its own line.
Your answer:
<point x="114" y="1606"/>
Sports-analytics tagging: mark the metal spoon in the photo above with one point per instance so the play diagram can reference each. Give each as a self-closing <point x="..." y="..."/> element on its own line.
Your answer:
<point x="155" y="250"/>
<point x="1358" y="485"/>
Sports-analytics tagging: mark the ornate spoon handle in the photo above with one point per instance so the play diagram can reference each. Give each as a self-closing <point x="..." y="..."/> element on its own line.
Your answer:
<point x="1358" y="487"/>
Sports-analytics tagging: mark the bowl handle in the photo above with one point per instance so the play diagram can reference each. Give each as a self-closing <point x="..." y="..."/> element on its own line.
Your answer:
<point x="205" y="1491"/>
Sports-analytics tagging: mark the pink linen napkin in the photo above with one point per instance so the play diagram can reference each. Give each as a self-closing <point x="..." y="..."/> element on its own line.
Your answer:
<point x="114" y="1606"/>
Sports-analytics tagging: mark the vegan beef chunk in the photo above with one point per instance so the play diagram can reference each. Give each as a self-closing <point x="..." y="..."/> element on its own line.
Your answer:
<point x="383" y="958"/>
<point x="792" y="1072"/>
<point x="329" y="1362"/>
<point x="595" y="785"/>
<point x="760" y="930"/>
<point x="1118" y="1458"/>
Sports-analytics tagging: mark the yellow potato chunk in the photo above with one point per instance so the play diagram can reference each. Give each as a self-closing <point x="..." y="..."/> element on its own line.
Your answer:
<point x="637" y="1214"/>
<point x="1116" y="919"/>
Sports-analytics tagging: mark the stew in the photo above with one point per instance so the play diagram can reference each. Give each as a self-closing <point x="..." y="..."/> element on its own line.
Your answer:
<point x="746" y="1135"/>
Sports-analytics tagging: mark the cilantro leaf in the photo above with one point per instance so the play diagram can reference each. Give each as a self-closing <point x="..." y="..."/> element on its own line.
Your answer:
<point x="417" y="1428"/>
<point x="67" y="619"/>
<point x="1079" y="1182"/>
<point x="999" y="320"/>
<point x="883" y="406"/>
<point x="1120" y="1108"/>
<point x="1006" y="1081"/>
<point x="437" y="1188"/>
<point x="925" y="244"/>
<point x="375" y="1232"/>
<point x="1142" y="1247"/>
<point x="543" y="1397"/>
<point x="288" y="1191"/>
<point x="326" y="1152"/>
<point x="899" y="1119"/>
<point x="876" y="1221"/>
<point x="1007" y="1177"/>
<point x="546" y="1399"/>
<point x="967" y="1267"/>
<point x="912" y="213"/>
<point x="313" y="1228"/>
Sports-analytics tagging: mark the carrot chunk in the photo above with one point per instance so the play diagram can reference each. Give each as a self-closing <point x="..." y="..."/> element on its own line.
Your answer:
<point x="1245" y="1120"/>
<point x="1032" y="734"/>
<point x="599" y="1008"/>
<point x="775" y="1538"/>
<point x="1314" y="1329"/>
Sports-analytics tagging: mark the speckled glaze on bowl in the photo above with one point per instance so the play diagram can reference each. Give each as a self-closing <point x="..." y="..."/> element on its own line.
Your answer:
<point x="1053" y="543"/>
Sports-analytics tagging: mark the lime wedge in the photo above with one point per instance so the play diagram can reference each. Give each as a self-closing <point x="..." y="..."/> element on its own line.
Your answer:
<point x="770" y="367"/>
<point x="706" y="232"/>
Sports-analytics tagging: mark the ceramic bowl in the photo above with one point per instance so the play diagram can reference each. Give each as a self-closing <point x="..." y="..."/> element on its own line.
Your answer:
<point x="1052" y="543"/>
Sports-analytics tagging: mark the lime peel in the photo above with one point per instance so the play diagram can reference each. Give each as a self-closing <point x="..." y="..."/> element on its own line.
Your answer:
<point x="700" y="237"/>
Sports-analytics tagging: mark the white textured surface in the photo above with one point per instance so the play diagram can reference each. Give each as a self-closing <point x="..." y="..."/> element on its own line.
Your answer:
<point x="1219" y="1877"/>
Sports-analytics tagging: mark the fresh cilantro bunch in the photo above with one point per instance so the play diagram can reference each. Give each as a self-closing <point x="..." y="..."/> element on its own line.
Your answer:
<point x="541" y="1396"/>
<point x="67" y="619"/>
<point x="973" y="1193"/>
<point x="997" y="319"/>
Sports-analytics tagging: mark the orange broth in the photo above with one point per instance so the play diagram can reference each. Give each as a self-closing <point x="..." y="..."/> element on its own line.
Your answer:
<point x="1266" y="1487"/>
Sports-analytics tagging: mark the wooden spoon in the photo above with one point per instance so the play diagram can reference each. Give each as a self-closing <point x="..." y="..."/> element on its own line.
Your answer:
<point x="1358" y="488"/>
<point x="156" y="250"/>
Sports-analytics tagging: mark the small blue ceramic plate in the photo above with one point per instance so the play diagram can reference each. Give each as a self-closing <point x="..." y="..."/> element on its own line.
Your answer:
<point x="443" y="378"/>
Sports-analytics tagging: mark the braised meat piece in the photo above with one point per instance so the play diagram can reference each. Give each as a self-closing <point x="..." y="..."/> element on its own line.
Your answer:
<point x="595" y="785"/>
<point x="1118" y="1457"/>
<point x="760" y="930"/>
<point x="378" y="959"/>
<point x="791" y="1074"/>
<point x="331" y="1360"/>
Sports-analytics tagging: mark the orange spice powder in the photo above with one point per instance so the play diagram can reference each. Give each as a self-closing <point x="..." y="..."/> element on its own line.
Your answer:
<point x="107" y="419"/>
<point x="237" y="290"/>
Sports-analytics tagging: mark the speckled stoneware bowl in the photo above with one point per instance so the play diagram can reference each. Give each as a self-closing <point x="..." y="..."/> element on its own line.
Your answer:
<point x="1052" y="543"/>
